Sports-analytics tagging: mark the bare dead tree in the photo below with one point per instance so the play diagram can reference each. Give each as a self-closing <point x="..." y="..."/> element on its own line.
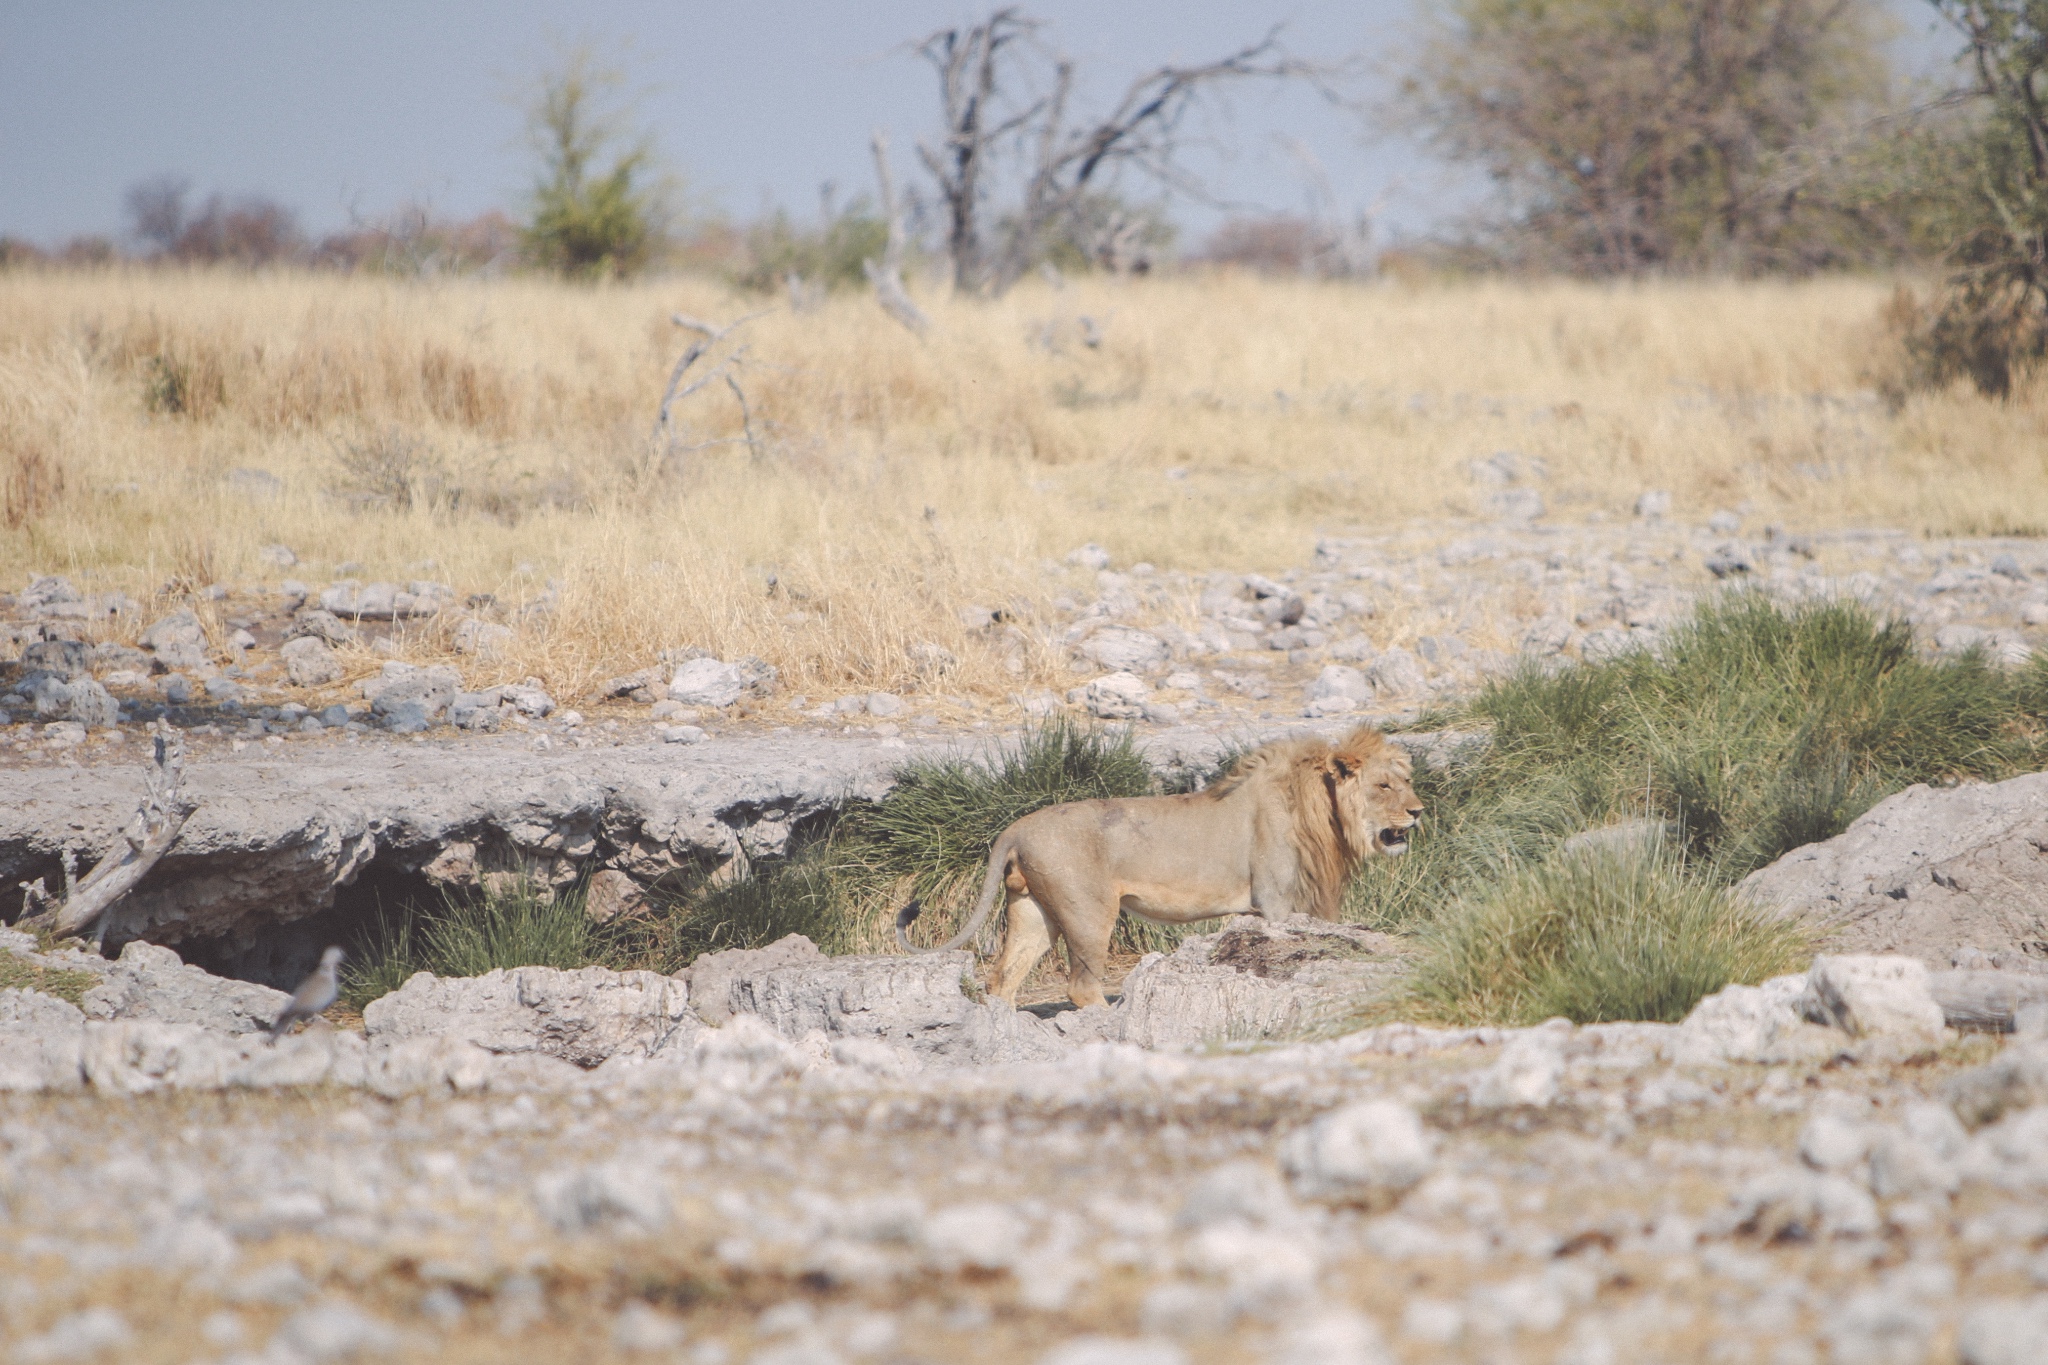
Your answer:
<point x="1064" y="158"/>
<point x="969" y="89"/>
<point x="886" y="275"/>
<point x="165" y="809"/>
<point x="708" y="337"/>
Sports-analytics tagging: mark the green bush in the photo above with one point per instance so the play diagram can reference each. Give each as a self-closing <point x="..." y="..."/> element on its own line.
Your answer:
<point x="795" y="895"/>
<point x="1596" y="937"/>
<point x="586" y="221"/>
<point x="831" y="255"/>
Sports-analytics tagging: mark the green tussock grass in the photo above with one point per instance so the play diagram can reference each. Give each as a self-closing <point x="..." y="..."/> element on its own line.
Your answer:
<point x="1595" y="937"/>
<point x="518" y="924"/>
<point x="794" y="895"/>
<point x="1754" y="729"/>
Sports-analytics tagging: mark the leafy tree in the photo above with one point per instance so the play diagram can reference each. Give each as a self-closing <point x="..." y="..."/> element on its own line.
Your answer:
<point x="1632" y="135"/>
<point x="596" y="209"/>
<point x="1991" y="325"/>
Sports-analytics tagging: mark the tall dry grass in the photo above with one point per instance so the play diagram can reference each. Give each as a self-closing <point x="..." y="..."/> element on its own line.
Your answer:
<point x="496" y="435"/>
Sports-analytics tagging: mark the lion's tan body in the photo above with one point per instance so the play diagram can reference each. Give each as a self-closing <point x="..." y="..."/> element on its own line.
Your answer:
<point x="1280" y="836"/>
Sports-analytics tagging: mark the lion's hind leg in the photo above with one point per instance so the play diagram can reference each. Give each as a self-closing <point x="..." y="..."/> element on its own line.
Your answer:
<point x="1026" y="942"/>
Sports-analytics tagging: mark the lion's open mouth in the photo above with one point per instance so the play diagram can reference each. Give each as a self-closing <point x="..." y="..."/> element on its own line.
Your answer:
<point x="1393" y="840"/>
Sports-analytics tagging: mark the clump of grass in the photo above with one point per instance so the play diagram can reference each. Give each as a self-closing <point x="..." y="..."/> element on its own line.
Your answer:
<point x="794" y="895"/>
<point x="518" y="924"/>
<point x="1596" y="937"/>
<point x="1755" y="728"/>
<point x="19" y="974"/>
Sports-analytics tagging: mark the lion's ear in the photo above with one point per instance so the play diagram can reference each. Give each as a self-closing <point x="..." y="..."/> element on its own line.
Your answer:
<point x="1342" y="765"/>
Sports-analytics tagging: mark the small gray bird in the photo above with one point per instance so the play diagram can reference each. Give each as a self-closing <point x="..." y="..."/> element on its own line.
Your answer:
<point x="314" y="994"/>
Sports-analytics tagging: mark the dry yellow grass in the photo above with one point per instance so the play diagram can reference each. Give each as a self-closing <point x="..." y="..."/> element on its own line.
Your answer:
<point x="1220" y="422"/>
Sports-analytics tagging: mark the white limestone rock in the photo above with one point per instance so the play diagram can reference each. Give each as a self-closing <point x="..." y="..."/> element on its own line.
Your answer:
<point x="1926" y="872"/>
<point x="151" y="982"/>
<point x="1123" y="649"/>
<point x="309" y="661"/>
<point x="1759" y="1024"/>
<point x="1876" y="997"/>
<point x="135" y="1057"/>
<point x="41" y="1042"/>
<point x="432" y="1065"/>
<point x="1113" y="696"/>
<point x="1528" y="1073"/>
<point x="583" y="1017"/>
<point x="707" y="682"/>
<point x="1364" y="1153"/>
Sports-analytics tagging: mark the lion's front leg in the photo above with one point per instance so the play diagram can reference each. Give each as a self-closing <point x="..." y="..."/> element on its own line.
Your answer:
<point x="1088" y="962"/>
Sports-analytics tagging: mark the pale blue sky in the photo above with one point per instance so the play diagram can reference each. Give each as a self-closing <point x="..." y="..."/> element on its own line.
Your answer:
<point x="360" y="106"/>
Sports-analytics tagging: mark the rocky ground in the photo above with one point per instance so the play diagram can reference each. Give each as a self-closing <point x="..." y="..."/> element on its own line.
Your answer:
<point x="1375" y="626"/>
<point x="783" y="1158"/>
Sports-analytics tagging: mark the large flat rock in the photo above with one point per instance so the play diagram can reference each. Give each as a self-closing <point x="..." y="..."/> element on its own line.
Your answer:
<point x="1935" y="873"/>
<point x="271" y="841"/>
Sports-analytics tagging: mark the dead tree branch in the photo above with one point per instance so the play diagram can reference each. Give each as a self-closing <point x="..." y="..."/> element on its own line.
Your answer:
<point x="709" y="337"/>
<point x="969" y="89"/>
<point x="1062" y="160"/>
<point x="886" y="275"/>
<point x="164" y="811"/>
<point x="1143" y="132"/>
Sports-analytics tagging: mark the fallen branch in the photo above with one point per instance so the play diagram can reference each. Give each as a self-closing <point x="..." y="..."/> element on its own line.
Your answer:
<point x="886" y="275"/>
<point x="711" y="336"/>
<point x="164" y="811"/>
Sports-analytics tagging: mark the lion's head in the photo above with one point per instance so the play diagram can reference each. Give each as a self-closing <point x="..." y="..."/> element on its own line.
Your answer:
<point x="1376" y="805"/>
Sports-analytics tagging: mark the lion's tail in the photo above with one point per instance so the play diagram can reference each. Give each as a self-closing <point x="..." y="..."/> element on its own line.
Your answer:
<point x="998" y="868"/>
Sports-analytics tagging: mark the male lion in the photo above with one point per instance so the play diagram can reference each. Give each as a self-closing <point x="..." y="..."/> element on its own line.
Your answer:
<point x="1279" y="836"/>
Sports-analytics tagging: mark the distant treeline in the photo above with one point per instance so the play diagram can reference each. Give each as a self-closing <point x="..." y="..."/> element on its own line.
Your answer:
<point x="825" y="251"/>
<point x="1622" y="137"/>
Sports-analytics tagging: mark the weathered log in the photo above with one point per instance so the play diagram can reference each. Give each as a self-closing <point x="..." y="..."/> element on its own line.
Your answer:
<point x="1986" y="1001"/>
<point x="165" y="809"/>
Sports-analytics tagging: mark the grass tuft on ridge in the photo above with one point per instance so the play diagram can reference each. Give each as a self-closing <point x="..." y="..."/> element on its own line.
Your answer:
<point x="1752" y="729"/>
<point x="518" y="924"/>
<point x="1596" y="937"/>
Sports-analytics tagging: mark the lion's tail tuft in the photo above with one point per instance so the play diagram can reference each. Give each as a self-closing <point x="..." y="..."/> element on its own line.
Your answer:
<point x="906" y="917"/>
